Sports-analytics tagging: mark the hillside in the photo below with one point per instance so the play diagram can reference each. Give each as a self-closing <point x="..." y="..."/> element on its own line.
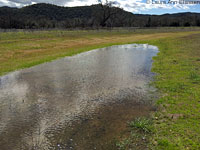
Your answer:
<point x="52" y="16"/>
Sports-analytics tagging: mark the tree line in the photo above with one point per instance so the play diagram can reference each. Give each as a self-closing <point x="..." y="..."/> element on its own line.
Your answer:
<point x="44" y="16"/>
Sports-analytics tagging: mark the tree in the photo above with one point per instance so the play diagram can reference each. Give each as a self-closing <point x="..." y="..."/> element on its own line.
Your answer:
<point x="175" y="24"/>
<point x="187" y="24"/>
<point x="148" y="22"/>
<point x="107" y="10"/>
<point x="198" y="22"/>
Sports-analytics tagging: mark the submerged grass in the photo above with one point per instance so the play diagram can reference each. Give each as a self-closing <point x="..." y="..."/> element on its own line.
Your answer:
<point x="176" y="125"/>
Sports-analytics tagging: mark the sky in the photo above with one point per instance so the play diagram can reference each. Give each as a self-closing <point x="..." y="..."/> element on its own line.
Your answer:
<point x="134" y="6"/>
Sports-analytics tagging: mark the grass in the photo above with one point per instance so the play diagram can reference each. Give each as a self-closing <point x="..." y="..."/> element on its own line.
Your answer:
<point x="176" y="124"/>
<point x="25" y="49"/>
<point x="140" y="131"/>
<point x="142" y="124"/>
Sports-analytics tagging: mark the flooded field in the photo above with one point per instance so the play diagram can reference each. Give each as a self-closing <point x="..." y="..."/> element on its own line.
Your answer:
<point x="81" y="102"/>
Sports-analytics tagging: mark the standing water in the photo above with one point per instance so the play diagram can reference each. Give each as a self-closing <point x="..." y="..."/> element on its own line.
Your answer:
<point x="81" y="102"/>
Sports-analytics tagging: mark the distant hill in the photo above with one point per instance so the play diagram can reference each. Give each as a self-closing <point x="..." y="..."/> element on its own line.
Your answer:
<point x="52" y="16"/>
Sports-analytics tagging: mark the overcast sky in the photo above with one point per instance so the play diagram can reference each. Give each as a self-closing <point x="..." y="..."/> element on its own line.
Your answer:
<point x="135" y="6"/>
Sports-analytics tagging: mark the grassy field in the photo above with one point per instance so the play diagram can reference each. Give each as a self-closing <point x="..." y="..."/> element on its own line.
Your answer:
<point x="177" y="121"/>
<point x="24" y="49"/>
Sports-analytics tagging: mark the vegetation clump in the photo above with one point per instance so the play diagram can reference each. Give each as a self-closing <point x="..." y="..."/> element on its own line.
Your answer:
<point x="140" y="131"/>
<point x="142" y="124"/>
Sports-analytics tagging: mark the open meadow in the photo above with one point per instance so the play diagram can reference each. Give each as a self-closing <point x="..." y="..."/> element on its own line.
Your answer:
<point x="25" y="48"/>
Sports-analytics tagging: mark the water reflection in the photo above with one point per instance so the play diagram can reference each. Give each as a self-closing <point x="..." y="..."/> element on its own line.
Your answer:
<point x="37" y="101"/>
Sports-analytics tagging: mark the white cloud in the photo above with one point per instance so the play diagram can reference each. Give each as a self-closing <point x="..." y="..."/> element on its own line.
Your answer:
<point x="135" y="6"/>
<point x="138" y="6"/>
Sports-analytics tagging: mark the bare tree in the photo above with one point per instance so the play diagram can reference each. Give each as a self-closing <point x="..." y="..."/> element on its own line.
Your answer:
<point x="106" y="12"/>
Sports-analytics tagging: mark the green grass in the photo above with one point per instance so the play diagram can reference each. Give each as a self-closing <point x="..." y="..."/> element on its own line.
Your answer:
<point x="177" y="121"/>
<point x="140" y="131"/>
<point x="25" y="49"/>
<point x="176" y="124"/>
<point x="142" y="124"/>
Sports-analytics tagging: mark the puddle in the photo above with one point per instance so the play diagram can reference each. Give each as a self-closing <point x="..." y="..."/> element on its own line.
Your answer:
<point x="81" y="102"/>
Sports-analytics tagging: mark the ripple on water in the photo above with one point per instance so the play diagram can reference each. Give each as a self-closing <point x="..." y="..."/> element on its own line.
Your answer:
<point x="79" y="102"/>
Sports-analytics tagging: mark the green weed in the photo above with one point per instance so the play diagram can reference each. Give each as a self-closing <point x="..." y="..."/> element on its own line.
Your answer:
<point x="142" y="124"/>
